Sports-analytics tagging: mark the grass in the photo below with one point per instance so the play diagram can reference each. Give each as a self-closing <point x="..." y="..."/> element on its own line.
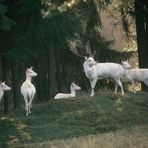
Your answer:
<point x="136" y="137"/>
<point x="69" y="120"/>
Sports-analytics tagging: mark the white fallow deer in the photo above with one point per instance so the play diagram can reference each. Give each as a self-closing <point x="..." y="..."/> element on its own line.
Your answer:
<point x="73" y="89"/>
<point x="96" y="71"/>
<point x="28" y="90"/>
<point x="3" y="88"/>
<point x="136" y="75"/>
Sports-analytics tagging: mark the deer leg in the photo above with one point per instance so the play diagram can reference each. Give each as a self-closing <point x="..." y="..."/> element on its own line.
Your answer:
<point x="133" y="87"/>
<point x="26" y="102"/>
<point x="32" y="96"/>
<point x="30" y="103"/>
<point x="93" y="84"/>
<point x="120" y="84"/>
<point x="26" y="105"/>
<point x="116" y="88"/>
<point x="146" y="82"/>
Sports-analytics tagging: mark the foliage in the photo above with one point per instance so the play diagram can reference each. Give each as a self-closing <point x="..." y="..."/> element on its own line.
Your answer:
<point x="122" y="12"/>
<point x="5" y="22"/>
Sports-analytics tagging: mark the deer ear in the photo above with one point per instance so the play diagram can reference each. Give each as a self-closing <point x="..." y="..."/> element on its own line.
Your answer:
<point x="3" y="82"/>
<point x="31" y="68"/>
<point x="86" y="58"/>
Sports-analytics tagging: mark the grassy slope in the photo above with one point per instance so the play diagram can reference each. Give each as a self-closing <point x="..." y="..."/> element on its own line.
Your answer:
<point x="78" y="117"/>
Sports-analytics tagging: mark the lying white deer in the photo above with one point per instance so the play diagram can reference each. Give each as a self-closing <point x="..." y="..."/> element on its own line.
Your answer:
<point x="137" y="75"/>
<point x="73" y="89"/>
<point x="3" y="88"/>
<point x="28" y="90"/>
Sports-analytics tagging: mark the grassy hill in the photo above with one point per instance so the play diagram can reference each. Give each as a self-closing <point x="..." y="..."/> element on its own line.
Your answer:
<point x="76" y="118"/>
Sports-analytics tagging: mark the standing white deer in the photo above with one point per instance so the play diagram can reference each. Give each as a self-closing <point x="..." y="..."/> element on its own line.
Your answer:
<point x="96" y="71"/>
<point x="3" y="88"/>
<point x="28" y="90"/>
<point x="136" y="75"/>
<point x="73" y="89"/>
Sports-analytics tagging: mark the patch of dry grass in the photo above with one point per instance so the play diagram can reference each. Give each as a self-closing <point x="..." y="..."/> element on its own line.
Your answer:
<point x="136" y="137"/>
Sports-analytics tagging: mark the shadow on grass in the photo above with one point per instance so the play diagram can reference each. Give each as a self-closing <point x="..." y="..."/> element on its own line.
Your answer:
<point x="12" y="131"/>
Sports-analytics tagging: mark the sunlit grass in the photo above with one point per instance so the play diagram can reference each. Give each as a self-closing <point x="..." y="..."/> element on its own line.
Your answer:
<point x="73" y="118"/>
<point x="136" y="137"/>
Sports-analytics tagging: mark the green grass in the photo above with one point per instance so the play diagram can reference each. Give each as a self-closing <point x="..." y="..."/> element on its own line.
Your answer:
<point x="69" y="118"/>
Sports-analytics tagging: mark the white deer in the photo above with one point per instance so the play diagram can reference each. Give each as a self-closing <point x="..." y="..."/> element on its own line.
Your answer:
<point x="3" y="88"/>
<point x="136" y="75"/>
<point x="73" y="89"/>
<point x="96" y="71"/>
<point x="28" y="90"/>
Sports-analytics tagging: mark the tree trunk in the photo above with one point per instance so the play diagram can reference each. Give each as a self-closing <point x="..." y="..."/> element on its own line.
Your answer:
<point x="141" y="33"/>
<point x="52" y="72"/>
<point x="59" y="71"/>
<point x="15" y="82"/>
<point x="4" y="76"/>
<point x="44" y="78"/>
<point x="0" y="67"/>
<point x="41" y="74"/>
<point x="146" y="31"/>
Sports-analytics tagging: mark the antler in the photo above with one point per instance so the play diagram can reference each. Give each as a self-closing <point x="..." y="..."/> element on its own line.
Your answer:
<point x="88" y="49"/>
<point x="94" y="53"/>
<point x="73" y="48"/>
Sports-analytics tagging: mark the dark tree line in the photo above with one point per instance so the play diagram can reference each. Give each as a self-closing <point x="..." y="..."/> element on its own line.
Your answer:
<point x="36" y="33"/>
<point x="141" y="13"/>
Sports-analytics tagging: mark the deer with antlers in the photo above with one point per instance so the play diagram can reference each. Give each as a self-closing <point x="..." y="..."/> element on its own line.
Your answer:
<point x="96" y="71"/>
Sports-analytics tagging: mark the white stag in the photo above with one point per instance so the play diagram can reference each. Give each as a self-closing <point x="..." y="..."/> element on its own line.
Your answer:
<point x="96" y="71"/>
<point x="3" y="88"/>
<point x="73" y="89"/>
<point x="28" y="90"/>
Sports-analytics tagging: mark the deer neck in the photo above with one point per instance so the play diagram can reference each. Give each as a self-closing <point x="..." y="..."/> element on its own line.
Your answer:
<point x="1" y="93"/>
<point x="125" y="71"/>
<point x="73" y="93"/>
<point x="28" y="78"/>
<point x="86" y="67"/>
